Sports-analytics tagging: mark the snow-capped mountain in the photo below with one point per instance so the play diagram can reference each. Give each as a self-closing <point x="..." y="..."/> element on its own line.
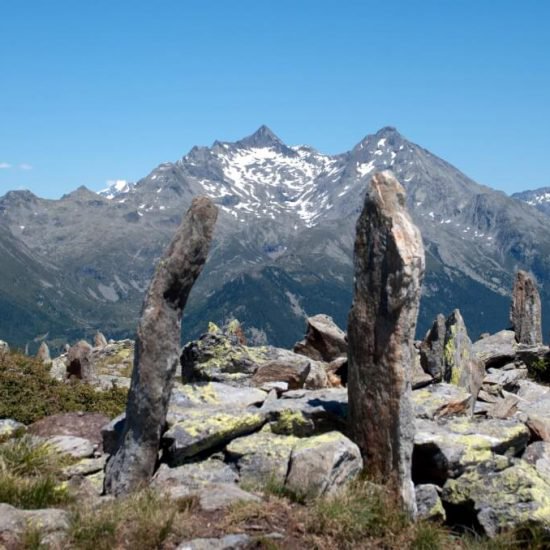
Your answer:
<point x="284" y="239"/>
<point x="116" y="188"/>
<point x="539" y="198"/>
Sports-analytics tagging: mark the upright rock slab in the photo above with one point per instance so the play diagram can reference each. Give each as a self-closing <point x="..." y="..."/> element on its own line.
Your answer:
<point x="157" y="349"/>
<point x="525" y="313"/>
<point x="389" y="267"/>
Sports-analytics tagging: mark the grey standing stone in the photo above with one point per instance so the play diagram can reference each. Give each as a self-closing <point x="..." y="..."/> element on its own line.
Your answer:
<point x="431" y="350"/>
<point x="525" y="313"/>
<point x="43" y="353"/>
<point x="157" y="349"/>
<point x="99" y="340"/>
<point x="78" y="362"/>
<point x="389" y="267"/>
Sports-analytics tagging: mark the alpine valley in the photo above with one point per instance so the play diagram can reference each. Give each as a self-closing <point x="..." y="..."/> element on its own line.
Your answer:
<point x="283" y="244"/>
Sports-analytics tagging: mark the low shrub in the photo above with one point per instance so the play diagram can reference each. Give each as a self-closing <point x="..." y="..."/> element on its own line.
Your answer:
<point x="28" y="393"/>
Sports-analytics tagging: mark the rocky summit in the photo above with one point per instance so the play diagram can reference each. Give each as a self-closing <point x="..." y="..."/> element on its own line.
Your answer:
<point x="283" y="246"/>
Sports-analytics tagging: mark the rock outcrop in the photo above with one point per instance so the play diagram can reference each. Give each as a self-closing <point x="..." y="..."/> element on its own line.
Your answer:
<point x="43" y="354"/>
<point x="525" y="313"/>
<point x="157" y="349"/>
<point x="324" y="340"/>
<point x="389" y="267"/>
<point x="78" y="362"/>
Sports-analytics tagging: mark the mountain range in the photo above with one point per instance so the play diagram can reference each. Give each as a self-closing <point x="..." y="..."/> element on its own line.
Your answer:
<point x="283" y="244"/>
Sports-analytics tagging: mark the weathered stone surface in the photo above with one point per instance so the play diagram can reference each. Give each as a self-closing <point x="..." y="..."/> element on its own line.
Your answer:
<point x="420" y="379"/>
<point x="78" y="362"/>
<point x="202" y="429"/>
<point x="428" y="502"/>
<point x="497" y="380"/>
<point x="294" y="374"/>
<point x="85" y="467"/>
<point x="262" y="458"/>
<point x="9" y="427"/>
<point x="195" y="475"/>
<point x="99" y="340"/>
<point x="432" y="356"/>
<point x="58" y="369"/>
<point x="389" y="267"/>
<point x="327" y="408"/>
<point x="504" y="408"/>
<point x="213" y="496"/>
<point x="462" y="368"/>
<point x="157" y="348"/>
<point x="76" y="447"/>
<point x="445" y="448"/>
<point x="337" y="372"/>
<point x="14" y="522"/>
<point x="538" y="455"/>
<point x="86" y="425"/>
<point x="323" y="464"/>
<point x="317" y="377"/>
<point x="229" y="542"/>
<point x="439" y="400"/>
<point x="525" y="313"/>
<point x="500" y="495"/>
<point x="324" y="340"/>
<point x="43" y="353"/>
<point x="534" y="408"/>
<point x="497" y="349"/>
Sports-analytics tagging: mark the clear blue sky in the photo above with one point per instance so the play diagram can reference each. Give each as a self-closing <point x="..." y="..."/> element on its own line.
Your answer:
<point x="97" y="90"/>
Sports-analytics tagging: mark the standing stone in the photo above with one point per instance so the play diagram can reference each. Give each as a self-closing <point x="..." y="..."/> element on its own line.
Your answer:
<point x="525" y="314"/>
<point x="78" y="362"/>
<point x="99" y="340"/>
<point x="389" y="267"/>
<point x="43" y="353"/>
<point x="462" y="367"/>
<point x="157" y="349"/>
<point x="431" y="350"/>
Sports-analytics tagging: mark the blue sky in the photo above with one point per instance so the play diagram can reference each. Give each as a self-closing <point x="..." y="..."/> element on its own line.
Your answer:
<point x="103" y="90"/>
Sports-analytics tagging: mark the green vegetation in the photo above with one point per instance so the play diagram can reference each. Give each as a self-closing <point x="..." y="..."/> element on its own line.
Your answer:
<point x="28" y="393"/>
<point x="539" y="370"/>
<point x="29" y="474"/>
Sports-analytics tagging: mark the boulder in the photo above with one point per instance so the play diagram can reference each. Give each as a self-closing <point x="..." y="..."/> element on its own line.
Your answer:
<point x="82" y="425"/>
<point x="497" y="380"/>
<point x="439" y="400"/>
<point x="534" y="408"/>
<point x="323" y="464"/>
<point x="538" y="455"/>
<point x="195" y="475"/>
<point x="498" y="495"/>
<point x="497" y="349"/>
<point x="4" y="348"/>
<point x="75" y="447"/>
<point x="99" y="340"/>
<point x="294" y="374"/>
<point x="204" y="429"/>
<point x="428" y="502"/>
<point x="324" y="340"/>
<point x="389" y="268"/>
<point x="525" y="313"/>
<point x="157" y="349"/>
<point x="261" y="458"/>
<point x="446" y="448"/>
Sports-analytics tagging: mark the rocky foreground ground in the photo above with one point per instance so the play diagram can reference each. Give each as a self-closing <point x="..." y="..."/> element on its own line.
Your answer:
<point x="247" y="421"/>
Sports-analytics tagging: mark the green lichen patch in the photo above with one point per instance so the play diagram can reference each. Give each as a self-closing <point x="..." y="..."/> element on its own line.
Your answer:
<point x="292" y="422"/>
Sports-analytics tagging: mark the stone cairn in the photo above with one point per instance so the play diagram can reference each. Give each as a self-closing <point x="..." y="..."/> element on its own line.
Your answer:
<point x="389" y="268"/>
<point x="158" y="348"/>
<point x="525" y="313"/>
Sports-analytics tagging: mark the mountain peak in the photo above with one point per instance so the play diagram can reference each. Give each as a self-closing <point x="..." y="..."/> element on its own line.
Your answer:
<point x="262" y="137"/>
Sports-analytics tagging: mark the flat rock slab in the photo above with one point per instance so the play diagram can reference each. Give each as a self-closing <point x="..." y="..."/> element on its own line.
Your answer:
<point x="77" y="447"/>
<point x="501" y="495"/>
<point x="445" y="448"/>
<point x="195" y="475"/>
<point x="440" y="400"/>
<point x="229" y="542"/>
<point x="85" y="467"/>
<point x="261" y="458"/>
<point x="202" y="429"/>
<point x="213" y="496"/>
<point x="323" y="464"/>
<point x="13" y="522"/>
<point x="85" y="425"/>
<point x="497" y="349"/>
